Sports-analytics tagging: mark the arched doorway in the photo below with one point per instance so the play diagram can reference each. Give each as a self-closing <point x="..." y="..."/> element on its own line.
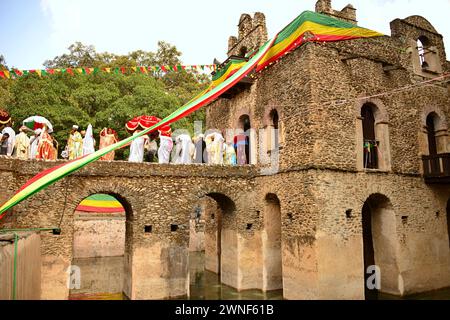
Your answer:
<point x="380" y="247"/>
<point x="100" y="223"/>
<point x="271" y="242"/>
<point x="274" y="134"/>
<point x="215" y="260"/>
<point x="432" y="120"/>
<point x="370" y="141"/>
<point x="243" y="141"/>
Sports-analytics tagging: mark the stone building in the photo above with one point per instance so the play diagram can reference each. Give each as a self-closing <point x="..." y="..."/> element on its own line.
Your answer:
<point x="329" y="210"/>
<point x="343" y="208"/>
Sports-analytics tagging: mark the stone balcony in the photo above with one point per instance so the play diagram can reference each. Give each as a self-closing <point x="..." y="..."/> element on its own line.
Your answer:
<point x="436" y="168"/>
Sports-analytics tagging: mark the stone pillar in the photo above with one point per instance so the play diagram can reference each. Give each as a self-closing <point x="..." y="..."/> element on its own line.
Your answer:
<point x="159" y="271"/>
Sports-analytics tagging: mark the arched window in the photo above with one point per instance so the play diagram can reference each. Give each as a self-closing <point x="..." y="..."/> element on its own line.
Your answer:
<point x="426" y="61"/>
<point x="432" y="120"/>
<point x="370" y="142"/>
<point x="242" y="141"/>
<point x="274" y="122"/>
<point x="422" y="46"/>
<point x="243" y="52"/>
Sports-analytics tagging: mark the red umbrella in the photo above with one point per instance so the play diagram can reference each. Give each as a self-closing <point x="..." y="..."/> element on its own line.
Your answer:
<point x="141" y="123"/>
<point x="4" y="117"/>
<point x="145" y="122"/>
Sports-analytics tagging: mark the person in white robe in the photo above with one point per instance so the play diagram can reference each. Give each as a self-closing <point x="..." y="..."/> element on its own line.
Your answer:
<point x="137" y="148"/>
<point x="88" y="141"/>
<point x="184" y="149"/>
<point x="214" y="147"/>
<point x="11" y="140"/>
<point x="165" y="147"/>
<point x="22" y="144"/>
<point x="34" y="143"/>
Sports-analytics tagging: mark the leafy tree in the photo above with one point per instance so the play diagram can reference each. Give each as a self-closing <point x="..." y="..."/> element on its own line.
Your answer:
<point x="103" y="99"/>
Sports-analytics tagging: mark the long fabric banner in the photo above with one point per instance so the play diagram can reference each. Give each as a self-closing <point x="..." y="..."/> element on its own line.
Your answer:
<point x="16" y="73"/>
<point x="309" y="26"/>
<point x="52" y="175"/>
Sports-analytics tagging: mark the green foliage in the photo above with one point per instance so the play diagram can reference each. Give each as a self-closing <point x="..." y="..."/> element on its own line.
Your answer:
<point x="102" y="99"/>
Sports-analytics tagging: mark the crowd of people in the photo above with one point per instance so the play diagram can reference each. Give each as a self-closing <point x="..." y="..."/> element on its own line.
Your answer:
<point x="40" y="144"/>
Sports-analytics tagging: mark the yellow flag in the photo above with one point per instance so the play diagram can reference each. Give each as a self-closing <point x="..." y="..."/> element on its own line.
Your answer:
<point x="79" y="70"/>
<point x="108" y="70"/>
<point x="39" y="72"/>
<point x="6" y="72"/>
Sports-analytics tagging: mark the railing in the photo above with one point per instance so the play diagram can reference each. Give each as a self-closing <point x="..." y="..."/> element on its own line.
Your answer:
<point x="436" y="166"/>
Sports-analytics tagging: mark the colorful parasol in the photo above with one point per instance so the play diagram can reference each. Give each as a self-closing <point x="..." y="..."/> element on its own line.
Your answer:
<point x="4" y="117"/>
<point x="100" y="203"/>
<point x="38" y="122"/>
<point x="141" y="123"/>
<point x="146" y="122"/>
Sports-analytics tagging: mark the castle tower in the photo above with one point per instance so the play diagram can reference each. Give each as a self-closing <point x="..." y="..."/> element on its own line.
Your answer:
<point x="252" y="34"/>
<point x="347" y="14"/>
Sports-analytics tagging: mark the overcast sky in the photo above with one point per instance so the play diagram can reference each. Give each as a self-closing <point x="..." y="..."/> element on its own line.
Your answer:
<point x="32" y="31"/>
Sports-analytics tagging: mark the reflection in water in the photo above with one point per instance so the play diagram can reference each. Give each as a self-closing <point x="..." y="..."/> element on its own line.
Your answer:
<point x="206" y="285"/>
<point x="102" y="279"/>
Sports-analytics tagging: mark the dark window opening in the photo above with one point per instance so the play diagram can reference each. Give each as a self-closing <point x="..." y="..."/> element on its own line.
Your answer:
<point x="173" y="227"/>
<point x="432" y="143"/>
<point x="422" y="46"/>
<point x="370" y="143"/>
<point x="243" y="52"/>
<point x="242" y="141"/>
<point x="148" y="229"/>
<point x="249" y="226"/>
<point x="275" y="125"/>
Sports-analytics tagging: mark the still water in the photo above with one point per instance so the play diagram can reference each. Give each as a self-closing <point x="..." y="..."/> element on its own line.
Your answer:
<point x="102" y="278"/>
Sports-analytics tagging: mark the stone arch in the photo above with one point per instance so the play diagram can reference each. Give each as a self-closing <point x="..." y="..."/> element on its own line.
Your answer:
<point x="380" y="246"/>
<point x="123" y="195"/>
<point x="381" y="143"/>
<point x="245" y="138"/>
<point x="440" y="129"/>
<point x="421" y="22"/>
<point x="99" y="248"/>
<point x="221" y="240"/>
<point x="272" y="244"/>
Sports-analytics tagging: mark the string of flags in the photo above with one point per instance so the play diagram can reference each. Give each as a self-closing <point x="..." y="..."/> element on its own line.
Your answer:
<point x="16" y="73"/>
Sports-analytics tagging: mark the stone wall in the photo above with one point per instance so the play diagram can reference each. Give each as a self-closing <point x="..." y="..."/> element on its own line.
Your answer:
<point x="28" y="266"/>
<point x="98" y="235"/>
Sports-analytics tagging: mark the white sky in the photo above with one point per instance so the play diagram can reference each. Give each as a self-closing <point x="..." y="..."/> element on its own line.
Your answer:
<point x="199" y="28"/>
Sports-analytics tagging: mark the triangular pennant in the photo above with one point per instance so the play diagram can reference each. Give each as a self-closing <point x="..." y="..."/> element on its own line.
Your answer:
<point x="44" y="72"/>
<point x="123" y="70"/>
<point x="108" y="70"/>
<point x="96" y="70"/>
<point x="2" y="74"/>
<point x="79" y="70"/>
<point x="134" y="69"/>
<point x="143" y="69"/>
<point x="69" y="71"/>
<point x="50" y="71"/>
<point x="39" y="72"/>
